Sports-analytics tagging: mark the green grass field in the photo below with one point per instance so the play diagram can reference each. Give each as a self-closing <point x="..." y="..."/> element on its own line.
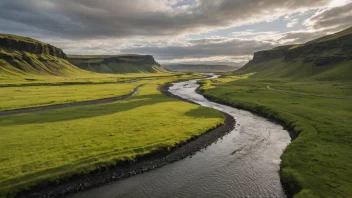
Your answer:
<point x="49" y="145"/>
<point x="29" y="96"/>
<point x="318" y="162"/>
<point x="8" y="80"/>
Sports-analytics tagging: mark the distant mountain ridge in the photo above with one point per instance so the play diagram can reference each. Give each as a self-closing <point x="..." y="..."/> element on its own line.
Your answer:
<point x="126" y="63"/>
<point x="198" y="68"/>
<point x="325" y="58"/>
<point x="22" y="56"/>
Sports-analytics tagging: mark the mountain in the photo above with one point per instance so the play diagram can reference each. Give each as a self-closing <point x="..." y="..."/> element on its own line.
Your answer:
<point x="199" y="68"/>
<point x="128" y="63"/>
<point x="23" y="56"/>
<point x="325" y="58"/>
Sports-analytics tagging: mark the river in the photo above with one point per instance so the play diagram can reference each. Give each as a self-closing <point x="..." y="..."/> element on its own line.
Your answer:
<point x="244" y="163"/>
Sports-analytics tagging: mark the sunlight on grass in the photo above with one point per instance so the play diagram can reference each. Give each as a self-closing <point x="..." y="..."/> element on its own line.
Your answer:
<point x="29" y="96"/>
<point x="317" y="162"/>
<point x="53" y="144"/>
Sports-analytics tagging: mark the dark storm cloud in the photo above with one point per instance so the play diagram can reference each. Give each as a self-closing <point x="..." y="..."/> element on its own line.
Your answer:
<point x="111" y="18"/>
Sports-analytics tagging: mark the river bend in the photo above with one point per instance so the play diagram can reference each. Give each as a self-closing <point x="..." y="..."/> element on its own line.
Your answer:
<point x="244" y="163"/>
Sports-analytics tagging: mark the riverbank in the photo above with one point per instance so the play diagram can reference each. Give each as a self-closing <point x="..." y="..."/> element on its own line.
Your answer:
<point x="261" y="112"/>
<point x="292" y="133"/>
<point x="311" y="165"/>
<point x="140" y="165"/>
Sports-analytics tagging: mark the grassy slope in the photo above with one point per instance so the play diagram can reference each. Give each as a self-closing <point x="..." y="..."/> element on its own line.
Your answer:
<point x="278" y="68"/>
<point x="311" y="60"/>
<point x="80" y="139"/>
<point x="26" y="61"/>
<point x="318" y="162"/>
<point x="30" y="56"/>
<point x="129" y="63"/>
<point x="35" y="64"/>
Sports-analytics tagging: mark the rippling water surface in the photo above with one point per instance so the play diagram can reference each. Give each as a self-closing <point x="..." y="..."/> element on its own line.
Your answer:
<point x="244" y="163"/>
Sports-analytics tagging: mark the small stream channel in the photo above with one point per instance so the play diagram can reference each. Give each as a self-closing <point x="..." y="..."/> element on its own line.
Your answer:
<point x="244" y="163"/>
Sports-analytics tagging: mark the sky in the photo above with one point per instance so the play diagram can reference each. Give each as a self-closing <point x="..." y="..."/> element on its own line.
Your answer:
<point x="174" y="31"/>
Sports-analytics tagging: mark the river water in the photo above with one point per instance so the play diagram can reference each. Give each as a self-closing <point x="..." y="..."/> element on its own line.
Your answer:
<point x="244" y="163"/>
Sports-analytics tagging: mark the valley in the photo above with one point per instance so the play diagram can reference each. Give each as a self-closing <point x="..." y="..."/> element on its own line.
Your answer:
<point x="309" y="98"/>
<point x="91" y="125"/>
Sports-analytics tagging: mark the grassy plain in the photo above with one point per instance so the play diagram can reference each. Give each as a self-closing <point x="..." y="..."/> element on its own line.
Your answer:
<point x="50" y="145"/>
<point x="318" y="162"/>
<point x="7" y="80"/>
<point x="29" y="96"/>
<point x="38" y="90"/>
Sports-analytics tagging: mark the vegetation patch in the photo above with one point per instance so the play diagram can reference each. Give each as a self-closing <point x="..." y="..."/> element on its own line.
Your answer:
<point x="318" y="162"/>
<point x="30" y="96"/>
<point x="55" y="144"/>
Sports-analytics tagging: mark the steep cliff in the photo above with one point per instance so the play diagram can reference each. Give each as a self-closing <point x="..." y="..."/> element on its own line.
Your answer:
<point x="267" y="55"/>
<point x="128" y="63"/>
<point x="29" y="45"/>
<point x="325" y="58"/>
<point x="22" y="55"/>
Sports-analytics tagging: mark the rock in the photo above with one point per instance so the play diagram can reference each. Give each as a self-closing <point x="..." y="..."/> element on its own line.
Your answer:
<point x="31" y="47"/>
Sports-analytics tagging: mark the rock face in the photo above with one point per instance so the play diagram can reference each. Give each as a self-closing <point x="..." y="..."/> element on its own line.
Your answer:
<point x="31" y="46"/>
<point x="129" y="63"/>
<point x="340" y="44"/>
<point x="265" y="55"/>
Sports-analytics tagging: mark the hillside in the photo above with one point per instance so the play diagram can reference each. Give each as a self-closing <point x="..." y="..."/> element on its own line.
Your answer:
<point x="325" y="58"/>
<point x="26" y="56"/>
<point x="199" y="68"/>
<point x="128" y="63"/>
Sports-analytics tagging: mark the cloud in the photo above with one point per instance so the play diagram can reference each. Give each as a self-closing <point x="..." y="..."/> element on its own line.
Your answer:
<point x="81" y="19"/>
<point x="336" y="18"/>
<point x="162" y="27"/>
<point x="208" y="50"/>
